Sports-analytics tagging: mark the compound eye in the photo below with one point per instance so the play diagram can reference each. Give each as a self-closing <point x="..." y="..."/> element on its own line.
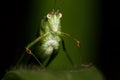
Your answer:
<point x="60" y="15"/>
<point x="48" y="15"/>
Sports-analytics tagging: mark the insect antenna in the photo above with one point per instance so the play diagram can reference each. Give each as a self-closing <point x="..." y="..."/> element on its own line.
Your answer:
<point x="66" y="53"/>
<point x="54" y="7"/>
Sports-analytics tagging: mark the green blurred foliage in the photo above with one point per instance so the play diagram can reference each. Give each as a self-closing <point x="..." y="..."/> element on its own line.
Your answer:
<point x="73" y="74"/>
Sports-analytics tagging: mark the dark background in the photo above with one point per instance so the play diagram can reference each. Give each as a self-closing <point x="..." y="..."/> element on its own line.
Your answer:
<point x="13" y="18"/>
<point x="110" y="48"/>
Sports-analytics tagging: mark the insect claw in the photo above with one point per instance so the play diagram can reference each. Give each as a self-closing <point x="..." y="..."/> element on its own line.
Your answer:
<point x="78" y="43"/>
<point x="28" y="51"/>
<point x="86" y="65"/>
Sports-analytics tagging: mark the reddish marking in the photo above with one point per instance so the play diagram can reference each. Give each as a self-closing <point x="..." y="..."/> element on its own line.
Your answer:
<point x="59" y="13"/>
<point x="50" y="13"/>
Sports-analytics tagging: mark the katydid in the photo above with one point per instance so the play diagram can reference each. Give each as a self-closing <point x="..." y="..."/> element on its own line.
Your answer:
<point x="49" y="39"/>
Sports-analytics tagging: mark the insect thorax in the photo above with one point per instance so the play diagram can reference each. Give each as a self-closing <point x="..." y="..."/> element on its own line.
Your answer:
<point x="52" y="29"/>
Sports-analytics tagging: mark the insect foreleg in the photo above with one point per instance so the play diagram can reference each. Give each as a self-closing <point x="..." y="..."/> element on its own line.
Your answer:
<point x="34" y="42"/>
<point x="28" y="51"/>
<point x="37" y="60"/>
<point x="68" y="35"/>
<point x="64" y="49"/>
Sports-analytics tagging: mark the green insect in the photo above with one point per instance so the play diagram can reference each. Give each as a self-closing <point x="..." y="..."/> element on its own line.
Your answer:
<point x="49" y="40"/>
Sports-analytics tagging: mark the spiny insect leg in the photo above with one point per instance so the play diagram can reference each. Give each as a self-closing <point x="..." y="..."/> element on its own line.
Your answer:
<point x="68" y="35"/>
<point x="85" y="65"/>
<point x="35" y="41"/>
<point x="28" y="51"/>
<point x="53" y="55"/>
<point x="64" y="49"/>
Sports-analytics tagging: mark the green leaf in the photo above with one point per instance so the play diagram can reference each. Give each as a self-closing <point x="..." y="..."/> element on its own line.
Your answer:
<point x="70" y="74"/>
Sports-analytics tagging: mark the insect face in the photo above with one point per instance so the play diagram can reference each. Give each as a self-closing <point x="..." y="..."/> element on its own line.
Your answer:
<point x="54" y="20"/>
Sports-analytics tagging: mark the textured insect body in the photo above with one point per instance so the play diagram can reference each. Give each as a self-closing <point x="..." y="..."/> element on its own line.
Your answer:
<point x="52" y="30"/>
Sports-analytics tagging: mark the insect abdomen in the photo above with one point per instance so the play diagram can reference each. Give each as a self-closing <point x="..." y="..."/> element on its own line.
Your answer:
<point x="50" y="43"/>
